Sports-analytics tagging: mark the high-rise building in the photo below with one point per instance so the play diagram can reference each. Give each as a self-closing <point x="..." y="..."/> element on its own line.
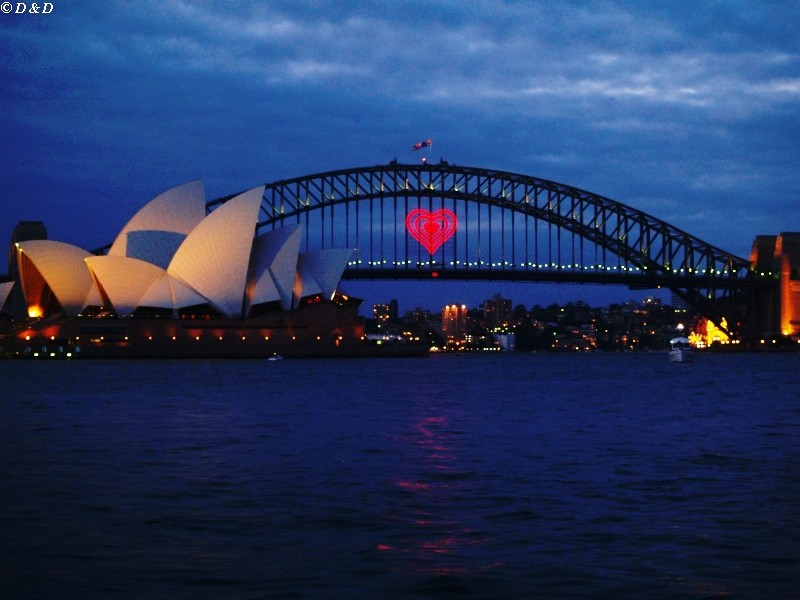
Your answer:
<point x="454" y="322"/>
<point x="385" y="312"/>
<point x="497" y="312"/>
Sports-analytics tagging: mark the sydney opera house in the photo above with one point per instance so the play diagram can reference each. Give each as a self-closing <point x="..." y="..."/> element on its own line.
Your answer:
<point x="179" y="282"/>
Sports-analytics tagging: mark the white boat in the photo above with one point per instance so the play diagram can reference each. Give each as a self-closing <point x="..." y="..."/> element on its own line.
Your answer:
<point x="680" y="350"/>
<point x="275" y="357"/>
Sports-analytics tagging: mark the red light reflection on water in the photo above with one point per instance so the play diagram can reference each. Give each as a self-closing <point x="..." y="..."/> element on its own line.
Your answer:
<point x="438" y="536"/>
<point x="413" y="485"/>
<point x="442" y="546"/>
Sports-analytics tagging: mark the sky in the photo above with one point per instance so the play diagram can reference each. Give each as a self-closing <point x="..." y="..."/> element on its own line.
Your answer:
<point x="689" y="111"/>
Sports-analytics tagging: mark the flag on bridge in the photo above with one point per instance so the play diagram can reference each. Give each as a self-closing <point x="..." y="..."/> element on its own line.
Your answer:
<point x="420" y="145"/>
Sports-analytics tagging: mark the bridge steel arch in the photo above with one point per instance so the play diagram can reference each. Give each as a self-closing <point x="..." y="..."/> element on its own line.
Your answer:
<point x="509" y="227"/>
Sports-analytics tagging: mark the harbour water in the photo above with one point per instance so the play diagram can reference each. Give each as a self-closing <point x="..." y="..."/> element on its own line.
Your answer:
<point x="474" y="476"/>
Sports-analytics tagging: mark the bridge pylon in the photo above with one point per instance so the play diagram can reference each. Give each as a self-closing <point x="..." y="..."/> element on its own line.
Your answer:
<point x="775" y="312"/>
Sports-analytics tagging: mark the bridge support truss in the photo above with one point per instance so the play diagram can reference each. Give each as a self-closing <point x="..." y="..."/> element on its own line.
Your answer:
<point x="509" y="227"/>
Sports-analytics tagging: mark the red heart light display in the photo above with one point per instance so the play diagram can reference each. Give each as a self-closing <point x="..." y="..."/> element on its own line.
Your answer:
<point x="431" y="229"/>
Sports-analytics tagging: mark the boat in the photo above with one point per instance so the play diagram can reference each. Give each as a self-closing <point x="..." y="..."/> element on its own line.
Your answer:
<point x="680" y="350"/>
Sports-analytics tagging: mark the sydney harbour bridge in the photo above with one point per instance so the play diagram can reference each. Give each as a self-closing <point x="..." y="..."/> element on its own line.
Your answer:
<point x="442" y="221"/>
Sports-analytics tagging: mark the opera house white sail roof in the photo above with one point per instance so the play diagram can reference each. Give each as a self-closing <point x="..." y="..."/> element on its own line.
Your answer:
<point x="5" y="291"/>
<point x="275" y="265"/>
<point x="320" y="271"/>
<point x="169" y="216"/>
<point x="171" y="255"/>
<point x="63" y="268"/>
<point x="214" y="258"/>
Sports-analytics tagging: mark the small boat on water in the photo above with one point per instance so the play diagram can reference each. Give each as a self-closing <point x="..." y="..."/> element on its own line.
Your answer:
<point x="680" y="350"/>
<point x="275" y="357"/>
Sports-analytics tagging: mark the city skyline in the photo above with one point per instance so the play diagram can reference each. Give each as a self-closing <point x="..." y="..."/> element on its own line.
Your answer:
<point x="436" y="295"/>
<point x="639" y="297"/>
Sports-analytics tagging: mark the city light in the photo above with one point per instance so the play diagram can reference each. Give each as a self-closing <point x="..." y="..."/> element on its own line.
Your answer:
<point x="707" y="333"/>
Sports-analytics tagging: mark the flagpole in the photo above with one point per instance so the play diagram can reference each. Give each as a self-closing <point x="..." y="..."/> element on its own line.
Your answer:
<point x="420" y="145"/>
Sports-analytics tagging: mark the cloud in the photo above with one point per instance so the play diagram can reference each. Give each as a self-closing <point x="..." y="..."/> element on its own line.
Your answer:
<point x="640" y="102"/>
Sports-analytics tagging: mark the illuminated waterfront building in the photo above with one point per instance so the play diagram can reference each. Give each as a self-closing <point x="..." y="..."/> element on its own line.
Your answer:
<point x="171" y="256"/>
<point x="454" y="322"/>
<point x="179" y="282"/>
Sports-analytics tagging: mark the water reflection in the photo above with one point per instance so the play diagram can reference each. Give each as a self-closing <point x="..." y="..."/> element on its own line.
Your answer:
<point x="440" y="538"/>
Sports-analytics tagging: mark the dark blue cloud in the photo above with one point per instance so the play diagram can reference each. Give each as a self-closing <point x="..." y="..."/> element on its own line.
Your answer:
<point x="689" y="112"/>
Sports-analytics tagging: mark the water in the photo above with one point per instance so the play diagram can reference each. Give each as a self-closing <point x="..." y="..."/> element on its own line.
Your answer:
<point x="491" y="476"/>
